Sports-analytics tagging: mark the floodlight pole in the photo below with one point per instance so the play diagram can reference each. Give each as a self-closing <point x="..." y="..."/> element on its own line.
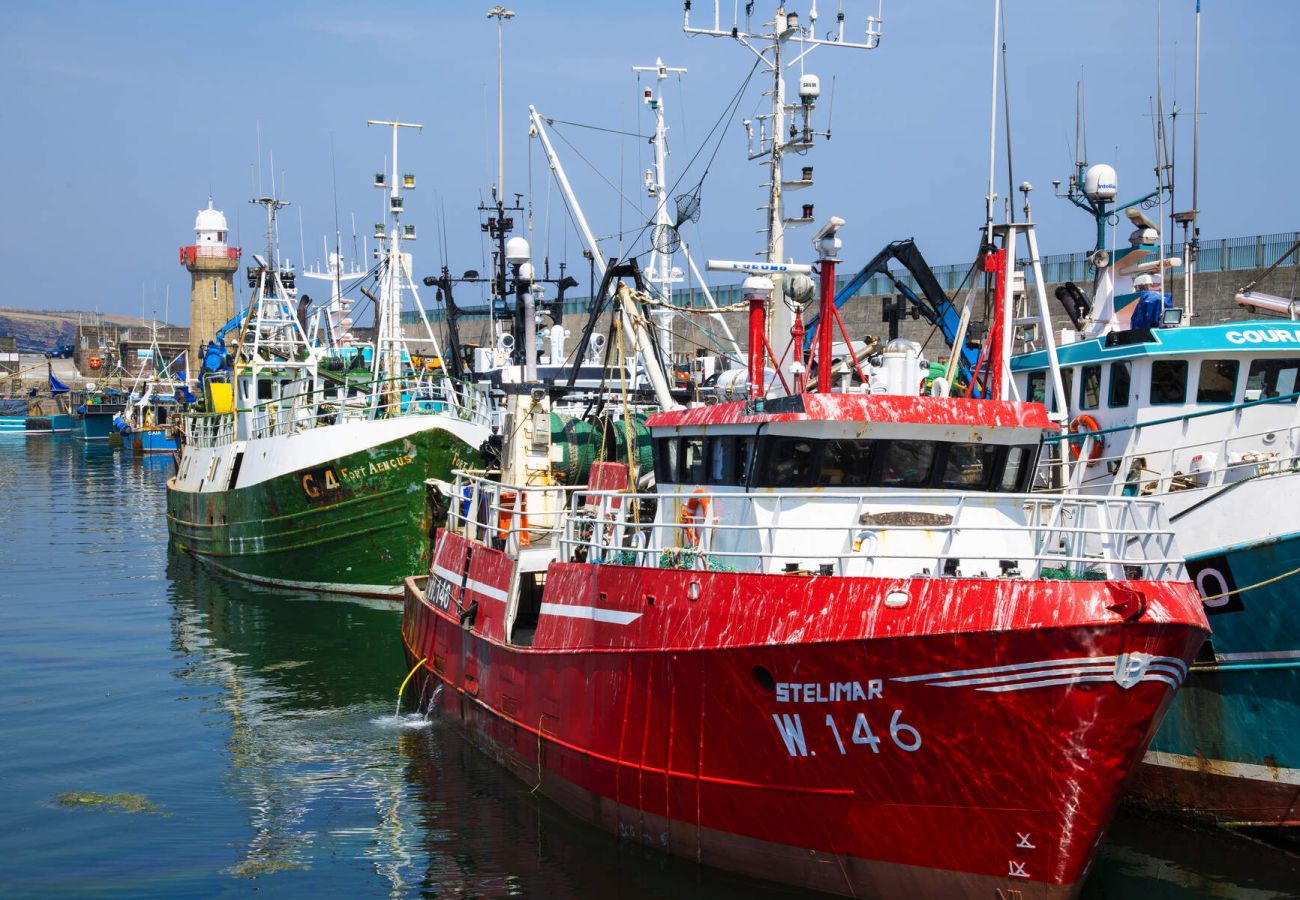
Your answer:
<point x="500" y="13"/>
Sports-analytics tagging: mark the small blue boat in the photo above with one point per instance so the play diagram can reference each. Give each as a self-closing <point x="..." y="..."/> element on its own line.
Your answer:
<point x="93" y="416"/>
<point x="40" y="412"/>
<point x="150" y="418"/>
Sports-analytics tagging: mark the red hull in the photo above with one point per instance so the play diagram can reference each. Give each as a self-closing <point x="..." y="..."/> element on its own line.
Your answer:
<point x="975" y="739"/>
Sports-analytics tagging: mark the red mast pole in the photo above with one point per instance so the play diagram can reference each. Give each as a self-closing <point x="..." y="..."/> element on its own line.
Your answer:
<point x="824" y="332"/>
<point x="996" y="263"/>
<point x="757" y="290"/>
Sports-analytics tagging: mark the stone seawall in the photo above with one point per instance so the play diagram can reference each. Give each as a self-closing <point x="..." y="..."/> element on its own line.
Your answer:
<point x="863" y="314"/>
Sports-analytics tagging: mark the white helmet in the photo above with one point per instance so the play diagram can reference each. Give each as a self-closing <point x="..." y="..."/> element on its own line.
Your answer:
<point x="1142" y="281"/>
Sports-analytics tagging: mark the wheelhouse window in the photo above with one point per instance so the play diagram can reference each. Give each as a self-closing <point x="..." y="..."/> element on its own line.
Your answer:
<point x="1067" y="385"/>
<point x="907" y="464"/>
<point x="847" y="463"/>
<point x="693" y="460"/>
<point x="1272" y="378"/>
<point x="745" y="458"/>
<point x="969" y="467"/>
<point x="1036" y="387"/>
<point x="1016" y="469"/>
<point x="1218" y="381"/>
<point x="1169" y="381"/>
<point x="789" y="462"/>
<point x="666" y="460"/>
<point x="722" y="459"/>
<point x="1121" y="379"/>
<point x="1090" y="387"/>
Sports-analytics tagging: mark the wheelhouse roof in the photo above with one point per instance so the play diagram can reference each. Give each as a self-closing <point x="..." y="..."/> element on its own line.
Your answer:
<point x="1247" y="336"/>
<point x="880" y="408"/>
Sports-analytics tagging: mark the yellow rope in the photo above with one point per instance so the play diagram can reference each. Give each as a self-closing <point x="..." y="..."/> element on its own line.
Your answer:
<point x="1251" y="587"/>
<point x="409" y="674"/>
<point x="627" y="414"/>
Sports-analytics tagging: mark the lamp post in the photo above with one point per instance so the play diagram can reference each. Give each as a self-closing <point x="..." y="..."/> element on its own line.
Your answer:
<point x="500" y="13"/>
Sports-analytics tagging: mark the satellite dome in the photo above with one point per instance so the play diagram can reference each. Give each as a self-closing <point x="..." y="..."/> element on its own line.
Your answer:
<point x="1100" y="183"/>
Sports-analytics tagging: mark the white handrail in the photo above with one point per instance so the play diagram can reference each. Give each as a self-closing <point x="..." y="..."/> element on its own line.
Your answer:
<point x="1039" y="535"/>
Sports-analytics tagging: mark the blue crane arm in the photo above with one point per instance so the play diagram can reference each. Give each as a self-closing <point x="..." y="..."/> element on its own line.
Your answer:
<point x="934" y="305"/>
<point x="214" y="357"/>
<point x="230" y="326"/>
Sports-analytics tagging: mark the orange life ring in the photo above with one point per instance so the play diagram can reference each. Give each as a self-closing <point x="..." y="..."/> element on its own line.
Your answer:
<point x="95" y="362"/>
<point x="695" y="512"/>
<point x="1086" y="424"/>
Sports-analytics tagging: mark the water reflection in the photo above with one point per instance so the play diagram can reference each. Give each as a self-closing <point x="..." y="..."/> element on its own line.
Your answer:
<point x="301" y="681"/>
<point x="1149" y="858"/>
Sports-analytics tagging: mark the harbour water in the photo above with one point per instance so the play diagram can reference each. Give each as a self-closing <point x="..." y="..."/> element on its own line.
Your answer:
<point x="255" y="735"/>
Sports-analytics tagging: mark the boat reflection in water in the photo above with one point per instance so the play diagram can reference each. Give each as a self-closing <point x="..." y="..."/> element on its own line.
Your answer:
<point x="300" y="685"/>
<point x="336" y="792"/>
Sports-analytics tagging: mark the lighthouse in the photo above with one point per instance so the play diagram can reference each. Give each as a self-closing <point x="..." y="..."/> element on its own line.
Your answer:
<point x="212" y="264"/>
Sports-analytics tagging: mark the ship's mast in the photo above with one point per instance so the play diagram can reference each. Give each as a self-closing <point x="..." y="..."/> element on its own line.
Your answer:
<point x="388" y="363"/>
<point x="660" y="270"/>
<point x="781" y="44"/>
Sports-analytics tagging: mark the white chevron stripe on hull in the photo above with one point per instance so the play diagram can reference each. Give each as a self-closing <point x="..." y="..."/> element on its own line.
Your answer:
<point x="1126" y="670"/>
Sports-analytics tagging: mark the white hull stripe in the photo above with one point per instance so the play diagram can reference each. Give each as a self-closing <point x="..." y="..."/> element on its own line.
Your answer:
<point x="1126" y="671"/>
<point x="595" y="613"/>
<point x="1250" y="771"/>
<point x="478" y="587"/>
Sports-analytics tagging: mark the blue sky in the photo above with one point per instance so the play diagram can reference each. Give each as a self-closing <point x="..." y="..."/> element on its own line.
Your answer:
<point x="120" y="117"/>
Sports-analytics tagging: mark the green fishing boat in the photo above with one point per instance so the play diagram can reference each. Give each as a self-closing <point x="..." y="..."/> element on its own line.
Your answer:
<point x="308" y="466"/>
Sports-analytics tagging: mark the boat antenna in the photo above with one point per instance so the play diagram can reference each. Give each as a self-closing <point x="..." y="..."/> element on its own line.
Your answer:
<point x="500" y="13"/>
<point x="1196" y="136"/>
<point x="993" y="129"/>
<point x="259" y="157"/>
<point x="338" y="254"/>
<point x="1006" y="116"/>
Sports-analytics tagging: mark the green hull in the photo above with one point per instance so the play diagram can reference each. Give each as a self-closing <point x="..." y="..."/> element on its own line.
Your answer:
<point x="358" y="524"/>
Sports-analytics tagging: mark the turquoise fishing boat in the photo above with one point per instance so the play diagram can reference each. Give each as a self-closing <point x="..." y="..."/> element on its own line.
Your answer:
<point x="1205" y="418"/>
<point x="39" y="412"/>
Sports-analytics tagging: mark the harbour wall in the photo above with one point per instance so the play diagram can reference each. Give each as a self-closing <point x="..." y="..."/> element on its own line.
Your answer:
<point x="863" y="314"/>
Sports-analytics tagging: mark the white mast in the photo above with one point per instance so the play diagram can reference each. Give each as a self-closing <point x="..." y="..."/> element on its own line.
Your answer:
<point x="775" y="137"/>
<point x="388" y="365"/>
<point x="631" y="320"/>
<point x="660" y="269"/>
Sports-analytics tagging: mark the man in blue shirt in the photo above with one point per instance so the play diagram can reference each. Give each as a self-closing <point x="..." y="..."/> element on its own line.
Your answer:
<point x="1149" y="310"/>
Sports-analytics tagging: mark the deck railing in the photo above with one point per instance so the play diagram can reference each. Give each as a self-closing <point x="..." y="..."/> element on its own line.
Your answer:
<point x="1160" y="456"/>
<point x="507" y="517"/>
<point x="881" y="533"/>
<point x="330" y="405"/>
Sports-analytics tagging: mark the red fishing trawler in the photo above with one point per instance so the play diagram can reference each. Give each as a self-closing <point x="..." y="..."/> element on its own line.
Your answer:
<point x="839" y="645"/>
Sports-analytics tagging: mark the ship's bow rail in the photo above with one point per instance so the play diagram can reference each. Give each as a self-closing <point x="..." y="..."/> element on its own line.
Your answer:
<point x="883" y="533"/>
